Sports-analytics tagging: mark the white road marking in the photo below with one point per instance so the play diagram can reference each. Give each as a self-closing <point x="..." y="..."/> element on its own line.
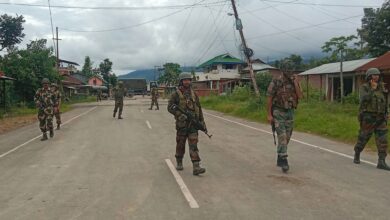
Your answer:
<point x="148" y="124"/>
<point x="292" y="139"/>
<point x="186" y="192"/>
<point x="34" y="138"/>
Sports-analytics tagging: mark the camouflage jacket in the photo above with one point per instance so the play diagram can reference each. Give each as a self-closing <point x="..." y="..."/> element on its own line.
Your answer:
<point x="187" y="100"/>
<point x="57" y="96"/>
<point x="44" y="99"/>
<point x="154" y="93"/>
<point x="373" y="100"/>
<point x="119" y="93"/>
<point x="282" y="91"/>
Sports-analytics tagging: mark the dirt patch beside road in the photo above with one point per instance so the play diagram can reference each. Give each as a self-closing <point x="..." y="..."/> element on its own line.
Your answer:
<point x="8" y="124"/>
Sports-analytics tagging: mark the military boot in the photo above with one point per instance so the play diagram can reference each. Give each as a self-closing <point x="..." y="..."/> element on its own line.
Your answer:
<point x="356" y="158"/>
<point x="44" y="137"/>
<point x="113" y="115"/>
<point x="120" y="117"/>
<point x="197" y="169"/>
<point x="150" y="108"/>
<point x="179" y="165"/>
<point x="51" y="132"/>
<point x="284" y="163"/>
<point x="58" y="127"/>
<point x="279" y="162"/>
<point x="382" y="164"/>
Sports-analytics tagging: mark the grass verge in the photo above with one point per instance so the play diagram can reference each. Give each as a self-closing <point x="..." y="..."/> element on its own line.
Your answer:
<point x="331" y="120"/>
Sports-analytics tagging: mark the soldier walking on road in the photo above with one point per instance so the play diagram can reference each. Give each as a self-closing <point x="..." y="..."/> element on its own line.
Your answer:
<point x="373" y="117"/>
<point x="57" y="104"/>
<point x="119" y="93"/>
<point x="186" y="99"/>
<point x="44" y="100"/>
<point x="283" y="95"/>
<point x="99" y="95"/>
<point x="155" y="95"/>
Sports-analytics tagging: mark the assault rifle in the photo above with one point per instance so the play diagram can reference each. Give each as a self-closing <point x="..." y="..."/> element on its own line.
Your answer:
<point x="192" y="119"/>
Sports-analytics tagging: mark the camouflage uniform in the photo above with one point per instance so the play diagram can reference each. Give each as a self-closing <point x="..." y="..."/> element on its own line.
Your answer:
<point x="99" y="96"/>
<point x="57" y="114"/>
<point x="45" y="101"/>
<point x="373" y="119"/>
<point x="186" y="99"/>
<point x="155" y="96"/>
<point x="284" y="101"/>
<point x="119" y="93"/>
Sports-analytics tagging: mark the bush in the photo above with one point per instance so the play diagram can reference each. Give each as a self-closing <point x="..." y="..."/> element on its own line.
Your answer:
<point x="241" y="93"/>
<point x="352" y="98"/>
<point x="263" y="79"/>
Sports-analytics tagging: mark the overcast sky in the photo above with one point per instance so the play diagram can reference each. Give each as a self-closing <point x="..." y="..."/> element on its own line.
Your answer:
<point x="138" y="34"/>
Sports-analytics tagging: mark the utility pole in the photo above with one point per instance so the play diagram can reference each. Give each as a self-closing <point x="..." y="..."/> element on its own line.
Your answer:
<point x="341" y="76"/>
<point x="57" y="52"/>
<point x="247" y="51"/>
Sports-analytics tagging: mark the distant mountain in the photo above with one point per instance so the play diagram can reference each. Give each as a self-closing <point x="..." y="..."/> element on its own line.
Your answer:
<point x="151" y="75"/>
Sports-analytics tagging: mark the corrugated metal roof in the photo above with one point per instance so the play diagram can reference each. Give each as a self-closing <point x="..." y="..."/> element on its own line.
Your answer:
<point x="259" y="66"/>
<point x="348" y="66"/>
<point x="221" y="59"/>
<point x="382" y="63"/>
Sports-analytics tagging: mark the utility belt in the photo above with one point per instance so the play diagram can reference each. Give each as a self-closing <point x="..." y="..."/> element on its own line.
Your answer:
<point x="275" y="107"/>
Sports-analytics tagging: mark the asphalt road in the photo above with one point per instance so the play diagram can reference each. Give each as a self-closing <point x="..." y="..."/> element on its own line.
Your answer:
<point x="98" y="167"/>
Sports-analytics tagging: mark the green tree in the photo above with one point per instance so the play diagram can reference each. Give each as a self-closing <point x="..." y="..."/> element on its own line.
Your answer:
<point x="11" y="31"/>
<point x="339" y="45"/>
<point x="29" y="67"/>
<point x="87" y="67"/>
<point x="375" y="32"/>
<point x="171" y="74"/>
<point x="105" y="68"/>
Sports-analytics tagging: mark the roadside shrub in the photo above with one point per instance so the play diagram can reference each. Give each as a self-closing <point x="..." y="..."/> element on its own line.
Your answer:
<point x="241" y="93"/>
<point x="263" y="79"/>
<point x="352" y="98"/>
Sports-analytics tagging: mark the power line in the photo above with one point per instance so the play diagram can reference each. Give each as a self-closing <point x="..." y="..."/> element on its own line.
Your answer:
<point x="184" y="26"/>
<point x="121" y="8"/>
<point x="52" y="29"/>
<point x="281" y="30"/>
<point x="216" y="30"/>
<point x="135" y="25"/>
<point x="302" y="28"/>
<point x="321" y="4"/>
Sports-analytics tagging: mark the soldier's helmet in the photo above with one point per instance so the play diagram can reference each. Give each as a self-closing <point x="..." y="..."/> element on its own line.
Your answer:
<point x="372" y="71"/>
<point x="120" y="83"/>
<point x="54" y="85"/>
<point x="45" y="81"/>
<point x="183" y="76"/>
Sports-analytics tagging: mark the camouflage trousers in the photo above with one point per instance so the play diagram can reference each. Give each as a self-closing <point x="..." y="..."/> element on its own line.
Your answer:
<point x="372" y="123"/>
<point x="284" y="123"/>
<point x="118" y="105"/>
<point x="45" y="118"/>
<point x="154" y="102"/>
<point x="181" y="138"/>
<point x="57" y="115"/>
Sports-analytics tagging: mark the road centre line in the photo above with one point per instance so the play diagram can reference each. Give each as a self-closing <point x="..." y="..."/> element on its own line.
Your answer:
<point x="184" y="189"/>
<point x="292" y="139"/>
<point x="34" y="138"/>
<point x="148" y="124"/>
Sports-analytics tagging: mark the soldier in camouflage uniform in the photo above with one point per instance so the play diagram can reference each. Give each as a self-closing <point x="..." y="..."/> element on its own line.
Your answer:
<point x="57" y="95"/>
<point x="373" y="117"/>
<point x="45" y="101"/>
<point x="186" y="99"/>
<point x="119" y="93"/>
<point x="155" y="95"/>
<point x="282" y="99"/>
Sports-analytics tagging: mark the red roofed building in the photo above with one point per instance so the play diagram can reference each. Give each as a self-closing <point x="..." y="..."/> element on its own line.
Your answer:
<point x="382" y="63"/>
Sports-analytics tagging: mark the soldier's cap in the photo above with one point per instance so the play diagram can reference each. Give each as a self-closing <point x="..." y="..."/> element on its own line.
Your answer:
<point x="183" y="76"/>
<point x="373" y="71"/>
<point x="45" y="81"/>
<point x="120" y="82"/>
<point x="54" y="84"/>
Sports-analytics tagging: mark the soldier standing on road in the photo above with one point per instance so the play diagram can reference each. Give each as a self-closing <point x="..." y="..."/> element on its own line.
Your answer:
<point x="45" y="101"/>
<point x="155" y="95"/>
<point x="57" y="104"/>
<point x="283" y="94"/>
<point x="119" y="93"/>
<point x="186" y="99"/>
<point x="99" y="95"/>
<point x="373" y="117"/>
